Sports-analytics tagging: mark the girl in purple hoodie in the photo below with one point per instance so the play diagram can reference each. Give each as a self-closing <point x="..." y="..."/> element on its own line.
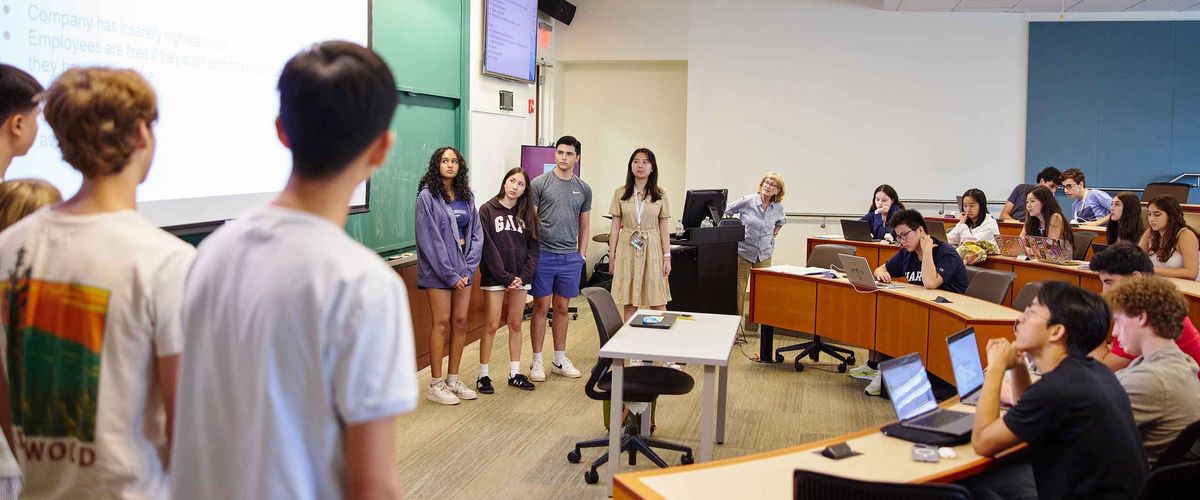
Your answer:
<point x="449" y="246"/>
<point x="510" y="255"/>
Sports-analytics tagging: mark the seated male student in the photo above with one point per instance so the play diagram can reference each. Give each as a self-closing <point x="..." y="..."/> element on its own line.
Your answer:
<point x="922" y="260"/>
<point x="1120" y="263"/>
<point x="1083" y="442"/>
<point x="1161" y="382"/>
<point x="1088" y="206"/>
<point x="1014" y="206"/>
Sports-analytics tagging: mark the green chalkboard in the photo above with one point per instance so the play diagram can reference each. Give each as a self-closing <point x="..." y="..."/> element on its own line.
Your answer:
<point x="425" y="44"/>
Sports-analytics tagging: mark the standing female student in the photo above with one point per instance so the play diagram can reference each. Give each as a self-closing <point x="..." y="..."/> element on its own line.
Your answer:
<point x="1043" y="216"/>
<point x="510" y="255"/>
<point x="449" y="246"/>
<point x="1125" y="219"/>
<point x="1170" y="241"/>
<point x="639" y="244"/>
<point x="884" y="204"/>
<point x="974" y="223"/>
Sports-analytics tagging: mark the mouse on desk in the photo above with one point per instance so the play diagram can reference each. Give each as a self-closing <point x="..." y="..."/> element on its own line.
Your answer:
<point x="941" y="300"/>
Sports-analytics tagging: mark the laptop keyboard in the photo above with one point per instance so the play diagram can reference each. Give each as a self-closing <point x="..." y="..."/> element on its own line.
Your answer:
<point x="938" y="419"/>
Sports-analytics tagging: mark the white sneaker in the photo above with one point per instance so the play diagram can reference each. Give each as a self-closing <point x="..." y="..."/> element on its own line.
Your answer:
<point x="672" y="364"/>
<point x="875" y="388"/>
<point x="537" y="372"/>
<point x="863" y="372"/>
<point x="461" y="390"/>
<point x="566" y="369"/>
<point x="440" y="393"/>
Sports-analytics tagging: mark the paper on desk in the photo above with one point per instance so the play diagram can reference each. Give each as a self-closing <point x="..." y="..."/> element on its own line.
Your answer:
<point x="829" y="237"/>
<point x="797" y="270"/>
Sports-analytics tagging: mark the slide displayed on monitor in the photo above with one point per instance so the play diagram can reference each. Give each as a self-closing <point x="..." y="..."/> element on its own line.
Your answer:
<point x="214" y="66"/>
<point x="510" y="39"/>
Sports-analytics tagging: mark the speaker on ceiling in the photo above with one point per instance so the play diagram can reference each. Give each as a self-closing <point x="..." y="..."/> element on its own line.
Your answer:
<point x="562" y="10"/>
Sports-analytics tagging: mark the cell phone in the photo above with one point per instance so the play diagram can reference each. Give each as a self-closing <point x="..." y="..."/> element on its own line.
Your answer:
<point x="925" y="453"/>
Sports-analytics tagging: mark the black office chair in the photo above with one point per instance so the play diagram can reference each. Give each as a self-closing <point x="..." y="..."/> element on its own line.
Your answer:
<point x="1026" y="295"/>
<point x="1082" y="240"/>
<point x="1173" y="482"/>
<point x="1179" y="190"/>
<point x="822" y="256"/>
<point x="1183" y="444"/>
<point x="808" y="485"/>
<point x="989" y="284"/>
<point x="642" y="384"/>
<point x="972" y="272"/>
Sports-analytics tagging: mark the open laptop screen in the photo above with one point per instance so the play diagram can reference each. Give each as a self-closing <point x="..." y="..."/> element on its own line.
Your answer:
<point x="964" y="356"/>
<point x="908" y="386"/>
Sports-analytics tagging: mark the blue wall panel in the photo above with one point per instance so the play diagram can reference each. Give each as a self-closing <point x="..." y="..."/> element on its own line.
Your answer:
<point x="1119" y="100"/>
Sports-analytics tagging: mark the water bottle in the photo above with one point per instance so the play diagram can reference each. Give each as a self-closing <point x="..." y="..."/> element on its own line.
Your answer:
<point x="708" y="222"/>
<point x="678" y="226"/>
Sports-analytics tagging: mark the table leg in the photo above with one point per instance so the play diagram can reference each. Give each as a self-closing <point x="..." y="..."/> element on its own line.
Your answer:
<point x="707" y="407"/>
<point x="614" y="418"/>
<point x="766" y="343"/>
<point x="646" y="424"/>
<point x="722" y="386"/>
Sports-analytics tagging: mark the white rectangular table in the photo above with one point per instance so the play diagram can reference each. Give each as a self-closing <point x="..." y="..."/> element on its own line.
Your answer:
<point x="704" y="339"/>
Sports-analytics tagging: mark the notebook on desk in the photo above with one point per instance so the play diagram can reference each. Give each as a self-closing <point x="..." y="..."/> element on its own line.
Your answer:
<point x="659" y="321"/>
<point x="912" y="398"/>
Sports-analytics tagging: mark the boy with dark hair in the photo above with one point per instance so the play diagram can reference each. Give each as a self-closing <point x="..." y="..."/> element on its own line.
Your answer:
<point x="1087" y="205"/>
<point x="1123" y="262"/>
<point x="91" y="298"/>
<point x="922" y="259"/>
<point x="309" y="326"/>
<point x="563" y="204"/>
<point x="1014" y="206"/>
<point x="1161" y="382"/>
<point x="20" y="101"/>
<point x="1076" y="419"/>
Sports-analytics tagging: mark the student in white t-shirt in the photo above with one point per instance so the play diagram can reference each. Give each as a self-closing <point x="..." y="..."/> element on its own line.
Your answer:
<point x="93" y="347"/>
<point x="300" y="345"/>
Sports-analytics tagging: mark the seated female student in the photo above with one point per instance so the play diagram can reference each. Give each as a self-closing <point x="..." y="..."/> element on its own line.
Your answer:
<point x="1125" y="219"/>
<point x="884" y="205"/>
<point x="1043" y="216"/>
<point x="1170" y="241"/>
<point x="974" y="223"/>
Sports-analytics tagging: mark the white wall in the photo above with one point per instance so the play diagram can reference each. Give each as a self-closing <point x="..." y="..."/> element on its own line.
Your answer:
<point x="625" y="30"/>
<point x="495" y="137"/>
<point x="616" y="107"/>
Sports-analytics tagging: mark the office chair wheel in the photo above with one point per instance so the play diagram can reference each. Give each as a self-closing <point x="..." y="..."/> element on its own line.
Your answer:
<point x="799" y="366"/>
<point x="591" y="477"/>
<point x="687" y="460"/>
<point x="842" y="368"/>
<point x="574" y="457"/>
<point x="813" y="355"/>
<point x="575" y="316"/>
<point x="851" y="361"/>
<point x="778" y="358"/>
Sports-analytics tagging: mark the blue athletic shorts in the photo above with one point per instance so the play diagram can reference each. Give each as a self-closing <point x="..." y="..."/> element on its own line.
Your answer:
<point x="558" y="273"/>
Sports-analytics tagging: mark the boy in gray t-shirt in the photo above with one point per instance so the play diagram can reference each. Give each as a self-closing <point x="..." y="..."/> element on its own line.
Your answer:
<point x="563" y="203"/>
<point x="1161" y="382"/>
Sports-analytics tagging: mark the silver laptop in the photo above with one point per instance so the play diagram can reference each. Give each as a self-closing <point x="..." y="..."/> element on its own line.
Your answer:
<point x="858" y="271"/>
<point x="857" y="230"/>
<point x="937" y="229"/>
<point x="909" y="390"/>
<point x="968" y="369"/>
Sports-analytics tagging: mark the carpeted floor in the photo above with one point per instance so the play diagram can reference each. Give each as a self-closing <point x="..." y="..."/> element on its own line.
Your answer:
<point x="514" y="444"/>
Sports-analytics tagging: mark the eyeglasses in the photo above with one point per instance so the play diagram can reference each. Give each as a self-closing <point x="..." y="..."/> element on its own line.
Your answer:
<point x="904" y="236"/>
<point x="1069" y="187"/>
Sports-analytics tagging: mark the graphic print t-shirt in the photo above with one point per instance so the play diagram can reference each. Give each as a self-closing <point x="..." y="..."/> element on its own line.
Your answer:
<point x="89" y="303"/>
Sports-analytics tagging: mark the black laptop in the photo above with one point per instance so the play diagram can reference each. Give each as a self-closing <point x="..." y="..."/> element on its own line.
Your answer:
<point x="857" y="230"/>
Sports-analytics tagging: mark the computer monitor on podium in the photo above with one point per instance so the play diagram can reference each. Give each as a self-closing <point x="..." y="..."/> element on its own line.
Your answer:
<point x="701" y="203"/>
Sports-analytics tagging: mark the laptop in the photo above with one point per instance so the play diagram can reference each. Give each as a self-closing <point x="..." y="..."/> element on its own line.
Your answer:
<point x="1010" y="246"/>
<point x="858" y="271"/>
<point x="1048" y="250"/>
<point x="659" y="321"/>
<point x="857" y="230"/>
<point x="968" y="369"/>
<point x="912" y="398"/>
<point x="937" y="229"/>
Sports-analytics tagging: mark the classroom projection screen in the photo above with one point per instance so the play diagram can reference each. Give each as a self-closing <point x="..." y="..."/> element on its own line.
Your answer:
<point x="214" y="65"/>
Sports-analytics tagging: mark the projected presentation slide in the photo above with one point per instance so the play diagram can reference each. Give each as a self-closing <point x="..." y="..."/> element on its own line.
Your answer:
<point x="214" y="65"/>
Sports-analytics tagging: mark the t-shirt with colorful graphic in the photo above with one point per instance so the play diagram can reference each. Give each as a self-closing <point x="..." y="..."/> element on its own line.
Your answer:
<point x="89" y="303"/>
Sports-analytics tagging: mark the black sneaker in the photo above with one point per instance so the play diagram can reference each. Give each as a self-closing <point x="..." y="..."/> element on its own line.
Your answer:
<point x="520" y="382"/>
<point x="484" y="385"/>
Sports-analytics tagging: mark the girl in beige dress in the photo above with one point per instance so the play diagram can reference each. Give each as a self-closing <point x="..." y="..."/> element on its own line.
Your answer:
<point x="639" y="244"/>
